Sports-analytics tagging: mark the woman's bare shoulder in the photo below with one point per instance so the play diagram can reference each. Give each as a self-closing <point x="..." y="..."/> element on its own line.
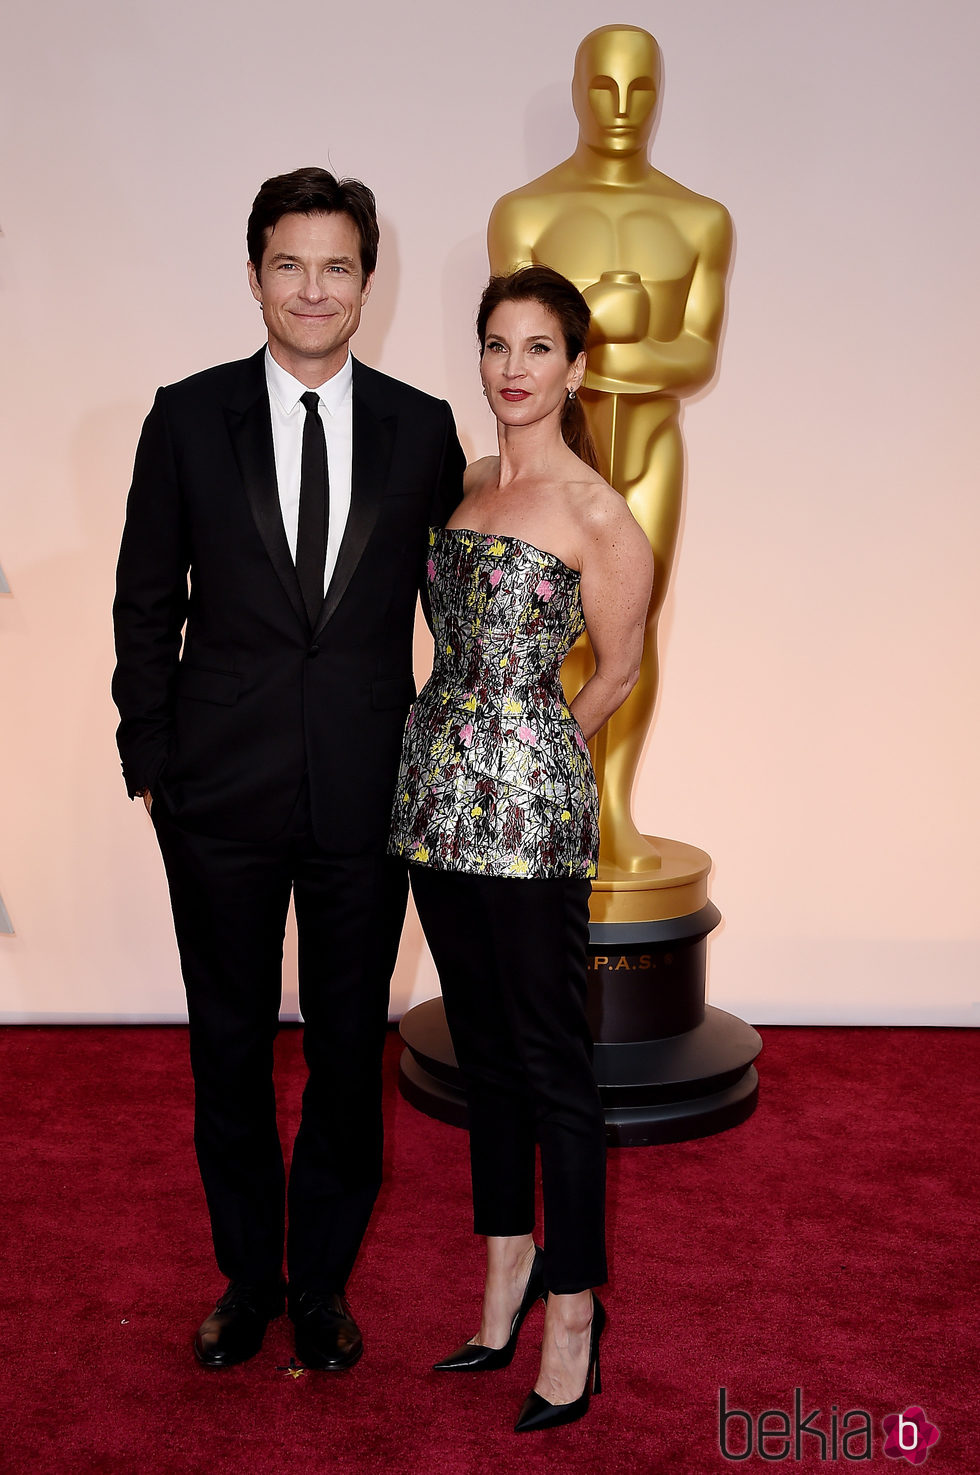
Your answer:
<point x="599" y="506"/>
<point x="610" y="536"/>
<point x="478" y="473"/>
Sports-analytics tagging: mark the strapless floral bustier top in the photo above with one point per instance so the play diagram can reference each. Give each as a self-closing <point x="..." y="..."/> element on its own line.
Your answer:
<point x="495" y="775"/>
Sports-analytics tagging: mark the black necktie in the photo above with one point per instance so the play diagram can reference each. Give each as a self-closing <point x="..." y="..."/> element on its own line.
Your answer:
<point x="314" y="489"/>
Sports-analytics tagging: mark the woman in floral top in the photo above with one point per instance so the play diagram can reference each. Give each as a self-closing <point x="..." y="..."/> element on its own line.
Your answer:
<point x="496" y="810"/>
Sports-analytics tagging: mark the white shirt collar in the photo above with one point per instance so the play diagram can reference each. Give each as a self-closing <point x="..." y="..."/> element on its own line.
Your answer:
<point x="288" y="391"/>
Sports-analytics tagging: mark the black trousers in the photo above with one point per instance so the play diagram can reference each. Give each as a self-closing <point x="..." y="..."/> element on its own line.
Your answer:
<point x="230" y="900"/>
<point x="511" y="956"/>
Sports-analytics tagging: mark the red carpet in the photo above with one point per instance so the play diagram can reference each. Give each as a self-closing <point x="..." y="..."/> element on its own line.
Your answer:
<point x="828" y="1243"/>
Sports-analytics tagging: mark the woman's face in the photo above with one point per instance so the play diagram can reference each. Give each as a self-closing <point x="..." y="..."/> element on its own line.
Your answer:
<point x="524" y="365"/>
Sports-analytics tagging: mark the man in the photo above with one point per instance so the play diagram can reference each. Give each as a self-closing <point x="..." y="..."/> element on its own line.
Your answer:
<point x="278" y="516"/>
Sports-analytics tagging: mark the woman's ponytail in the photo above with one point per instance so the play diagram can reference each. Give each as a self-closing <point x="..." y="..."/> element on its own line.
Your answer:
<point x="576" y="433"/>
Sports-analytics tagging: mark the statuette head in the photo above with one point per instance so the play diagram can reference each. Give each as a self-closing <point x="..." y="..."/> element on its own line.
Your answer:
<point x="615" y="88"/>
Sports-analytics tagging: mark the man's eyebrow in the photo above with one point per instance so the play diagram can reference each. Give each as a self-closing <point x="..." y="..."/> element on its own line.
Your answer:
<point x="330" y="260"/>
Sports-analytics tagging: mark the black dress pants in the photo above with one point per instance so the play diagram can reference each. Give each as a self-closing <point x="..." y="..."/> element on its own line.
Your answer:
<point x="230" y="900"/>
<point x="511" y="956"/>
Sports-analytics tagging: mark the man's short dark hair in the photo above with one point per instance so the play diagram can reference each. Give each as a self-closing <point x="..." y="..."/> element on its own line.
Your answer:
<point x="313" y="192"/>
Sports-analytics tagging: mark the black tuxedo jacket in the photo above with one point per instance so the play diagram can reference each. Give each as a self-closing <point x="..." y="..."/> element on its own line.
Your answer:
<point x="225" y="728"/>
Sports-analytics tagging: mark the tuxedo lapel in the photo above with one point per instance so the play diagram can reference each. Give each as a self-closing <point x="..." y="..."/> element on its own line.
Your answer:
<point x="250" y="428"/>
<point x="372" y="439"/>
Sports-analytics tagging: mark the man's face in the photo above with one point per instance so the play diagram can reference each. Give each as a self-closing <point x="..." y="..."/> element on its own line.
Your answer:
<point x="311" y="289"/>
<point x="614" y="90"/>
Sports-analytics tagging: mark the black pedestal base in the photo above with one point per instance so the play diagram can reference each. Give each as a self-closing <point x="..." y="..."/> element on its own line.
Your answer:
<point x="668" y="1069"/>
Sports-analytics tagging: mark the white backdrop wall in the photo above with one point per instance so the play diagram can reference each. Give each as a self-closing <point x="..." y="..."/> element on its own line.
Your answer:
<point x="818" y="723"/>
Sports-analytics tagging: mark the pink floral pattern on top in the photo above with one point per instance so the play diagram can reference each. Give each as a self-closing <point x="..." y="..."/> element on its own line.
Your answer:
<point x="495" y="775"/>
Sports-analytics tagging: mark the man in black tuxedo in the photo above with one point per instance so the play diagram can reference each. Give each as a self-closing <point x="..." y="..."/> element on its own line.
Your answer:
<point x="278" y="517"/>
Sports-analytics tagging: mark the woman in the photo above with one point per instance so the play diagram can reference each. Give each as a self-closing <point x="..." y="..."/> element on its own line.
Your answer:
<point x="496" y="810"/>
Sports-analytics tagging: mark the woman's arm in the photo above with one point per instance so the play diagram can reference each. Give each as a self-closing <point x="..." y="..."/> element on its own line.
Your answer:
<point x="617" y="581"/>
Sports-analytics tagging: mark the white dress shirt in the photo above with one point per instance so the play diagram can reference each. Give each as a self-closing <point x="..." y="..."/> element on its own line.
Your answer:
<point x="288" y="419"/>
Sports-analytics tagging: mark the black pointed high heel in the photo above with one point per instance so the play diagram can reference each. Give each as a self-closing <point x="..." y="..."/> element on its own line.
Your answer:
<point x="538" y="1413"/>
<point x="472" y="1357"/>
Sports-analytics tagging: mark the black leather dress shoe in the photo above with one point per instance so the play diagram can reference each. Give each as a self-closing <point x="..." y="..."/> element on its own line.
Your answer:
<point x="234" y="1330"/>
<point x="327" y="1336"/>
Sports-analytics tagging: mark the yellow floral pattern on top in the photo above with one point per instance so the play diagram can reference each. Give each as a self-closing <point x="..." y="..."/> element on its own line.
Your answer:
<point x="495" y="775"/>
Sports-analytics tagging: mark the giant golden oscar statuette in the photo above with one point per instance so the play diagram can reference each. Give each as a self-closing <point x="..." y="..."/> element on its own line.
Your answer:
<point x="651" y="258"/>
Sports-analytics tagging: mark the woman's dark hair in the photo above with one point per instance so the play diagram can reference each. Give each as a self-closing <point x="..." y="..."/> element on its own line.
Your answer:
<point x="313" y="192"/>
<point x="566" y="303"/>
